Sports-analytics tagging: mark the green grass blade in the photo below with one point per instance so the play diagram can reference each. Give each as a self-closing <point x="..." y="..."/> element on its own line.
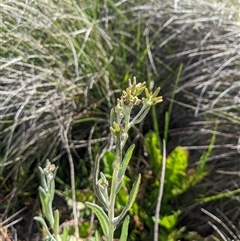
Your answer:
<point x="171" y="103"/>
<point x="205" y="155"/>
<point x="218" y="196"/>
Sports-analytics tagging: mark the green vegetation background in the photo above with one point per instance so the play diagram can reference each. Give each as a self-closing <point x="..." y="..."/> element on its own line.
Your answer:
<point x="64" y="63"/>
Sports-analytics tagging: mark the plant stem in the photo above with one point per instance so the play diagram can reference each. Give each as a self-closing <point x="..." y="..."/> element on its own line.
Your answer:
<point x="116" y="166"/>
<point x="112" y="205"/>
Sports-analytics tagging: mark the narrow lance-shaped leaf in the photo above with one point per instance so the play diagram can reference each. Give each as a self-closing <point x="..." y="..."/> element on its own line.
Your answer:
<point x="112" y="117"/>
<point x="124" y="232"/>
<point x="140" y="116"/>
<point x="65" y="234"/>
<point x="52" y="185"/>
<point x="42" y="221"/>
<point x="56" y="222"/>
<point x="95" y="183"/>
<point x="46" y="205"/>
<point x="102" y="197"/>
<point x="131" y="199"/>
<point x="126" y="160"/>
<point x="49" y="214"/>
<point x="101" y="215"/>
<point x="201" y="164"/>
<point x="97" y="236"/>
<point x="102" y="187"/>
<point x="43" y="178"/>
<point x="124" y="166"/>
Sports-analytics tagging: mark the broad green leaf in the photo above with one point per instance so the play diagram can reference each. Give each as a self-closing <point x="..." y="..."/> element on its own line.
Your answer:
<point x="170" y="221"/>
<point x="130" y="201"/>
<point x="101" y="215"/>
<point x="176" y="175"/>
<point x="124" y="232"/>
<point x="177" y="162"/>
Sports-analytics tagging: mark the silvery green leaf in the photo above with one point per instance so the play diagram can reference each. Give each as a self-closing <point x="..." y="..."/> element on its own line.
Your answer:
<point x="52" y="185"/>
<point x="42" y="192"/>
<point x="55" y="172"/>
<point x="46" y="205"/>
<point x="101" y="215"/>
<point x="52" y="190"/>
<point x="112" y="116"/>
<point x="44" y="199"/>
<point x="56" y="222"/>
<point x="131" y="199"/>
<point x="124" y="166"/>
<point x="65" y="234"/>
<point x="119" y="185"/>
<point x="141" y="115"/>
<point x="124" y="232"/>
<point x="97" y="236"/>
<point x="101" y="197"/>
<point x="102" y="190"/>
<point x="97" y="192"/>
<point x="43" y="178"/>
<point x="42" y="221"/>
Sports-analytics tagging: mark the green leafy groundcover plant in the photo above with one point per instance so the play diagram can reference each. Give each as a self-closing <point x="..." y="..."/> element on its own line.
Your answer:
<point x="121" y="120"/>
<point x="178" y="180"/>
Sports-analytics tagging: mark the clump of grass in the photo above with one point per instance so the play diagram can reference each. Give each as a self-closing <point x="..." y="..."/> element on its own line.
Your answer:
<point x="45" y="81"/>
<point x="53" y="59"/>
<point x="223" y="227"/>
<point x="204" y="38"/>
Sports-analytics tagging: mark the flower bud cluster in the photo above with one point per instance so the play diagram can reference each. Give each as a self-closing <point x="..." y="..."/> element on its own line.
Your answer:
<point x="121" y="119"/>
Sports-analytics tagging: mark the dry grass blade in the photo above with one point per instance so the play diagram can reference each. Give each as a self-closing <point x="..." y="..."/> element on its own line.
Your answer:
<point x="41" y="80"/>
<point x="224" y="226"/>
<point x="52" y="55"/>
<point x="161" y="187"/>
<point x="5" y="225"/>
